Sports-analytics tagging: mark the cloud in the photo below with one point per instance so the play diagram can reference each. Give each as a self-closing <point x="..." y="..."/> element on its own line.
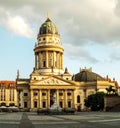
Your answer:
<point x="85" y="20"/>
<point x="19" y="26"/>
<point x="92" y="21"/>
<point x="79" y="53"/>
<point x="115" y="56"/>
<point x="117" y="8"/>
<point x="79" y="22"/>
<point x="16" y="24"/>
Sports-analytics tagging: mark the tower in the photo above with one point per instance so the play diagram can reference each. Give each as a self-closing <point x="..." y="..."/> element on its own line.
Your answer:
<point x="48" y="50"/>
<point x="48" y="78"/>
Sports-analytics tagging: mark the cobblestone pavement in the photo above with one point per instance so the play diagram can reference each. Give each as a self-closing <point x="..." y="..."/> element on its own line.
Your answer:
<point x="79" y="120"/>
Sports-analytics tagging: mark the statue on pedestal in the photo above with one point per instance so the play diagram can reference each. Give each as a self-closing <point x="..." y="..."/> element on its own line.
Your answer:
<point x="54" y="98"/>
<point x="55" y="107"/>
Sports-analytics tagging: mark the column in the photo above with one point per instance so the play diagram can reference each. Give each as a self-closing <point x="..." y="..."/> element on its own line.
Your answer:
<point x="40" y="98"/>
<point x="57" y="95"/>
<point x="31" y="98"/>
<point x="73" y="104"/>
<point x="15" y="97"/>
<point x="65" y="98"/>
<point x="35" y="61"/>
<point x="2" y="94"/>
<point x="47" y="59"/>
<point x="39" y="60"/>
<point x="52" y="63"/>
<point x="21" y="98"/>
<point x="18" y="102"/>
<point x="61" y="60"/>
<point x="48" y="98"/>
<point x="54" y="59"/>
<point x="7" y="96"/>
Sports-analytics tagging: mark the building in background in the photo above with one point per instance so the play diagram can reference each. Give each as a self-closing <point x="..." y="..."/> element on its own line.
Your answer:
<point x="8" y="93"/>
<point x="49" y="77"/>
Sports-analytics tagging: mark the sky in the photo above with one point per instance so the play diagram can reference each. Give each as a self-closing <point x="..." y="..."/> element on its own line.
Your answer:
<point x="89" y="31"/>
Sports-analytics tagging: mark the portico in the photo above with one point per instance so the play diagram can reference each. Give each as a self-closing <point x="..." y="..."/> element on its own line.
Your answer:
<point x="43" y="98"/>
<point x="42" y="95"/>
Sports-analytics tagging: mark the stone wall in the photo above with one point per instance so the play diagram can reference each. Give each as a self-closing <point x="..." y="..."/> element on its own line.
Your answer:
<point x="111" y="102"/>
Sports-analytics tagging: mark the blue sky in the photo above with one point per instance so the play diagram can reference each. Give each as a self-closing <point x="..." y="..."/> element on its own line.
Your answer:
<point x="89" y="30"/>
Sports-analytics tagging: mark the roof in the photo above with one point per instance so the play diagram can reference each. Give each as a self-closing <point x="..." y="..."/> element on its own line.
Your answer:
<point x="87" y="76"/>
<point x="8" y="84"/>
<point x="48" y="27"/>
<point x="22" y="81"/>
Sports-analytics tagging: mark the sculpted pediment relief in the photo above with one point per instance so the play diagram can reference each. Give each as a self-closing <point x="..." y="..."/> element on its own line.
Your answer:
<point x="52" y="81"/>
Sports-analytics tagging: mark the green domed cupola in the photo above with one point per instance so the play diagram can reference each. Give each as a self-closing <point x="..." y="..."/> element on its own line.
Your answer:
<point x="48" y="27"/>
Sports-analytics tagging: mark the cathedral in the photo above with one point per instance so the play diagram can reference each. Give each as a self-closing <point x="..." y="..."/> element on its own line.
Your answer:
<point x="49" y="77"/>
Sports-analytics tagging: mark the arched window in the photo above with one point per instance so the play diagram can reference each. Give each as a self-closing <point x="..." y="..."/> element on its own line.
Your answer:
<point x="78" y="99"/>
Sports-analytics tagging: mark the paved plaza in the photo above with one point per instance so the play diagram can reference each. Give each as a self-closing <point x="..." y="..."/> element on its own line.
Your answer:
<point x="79" y="120"/>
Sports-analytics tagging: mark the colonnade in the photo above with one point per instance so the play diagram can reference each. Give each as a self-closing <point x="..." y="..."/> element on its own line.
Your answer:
<point x="41" y="98"/>
<point x="56" y="59"/>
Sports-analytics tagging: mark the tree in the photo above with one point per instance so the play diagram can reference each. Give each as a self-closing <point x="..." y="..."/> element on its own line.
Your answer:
<point x="95" y="101"/>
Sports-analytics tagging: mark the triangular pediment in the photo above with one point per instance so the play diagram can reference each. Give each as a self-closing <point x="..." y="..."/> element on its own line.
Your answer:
<point x="52" y="80"/>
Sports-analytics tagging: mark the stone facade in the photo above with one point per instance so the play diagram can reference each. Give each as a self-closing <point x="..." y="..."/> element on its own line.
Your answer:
<point x="8" y="93"/>
<point x="49" y="77"/>
<point x="111" y="103"/>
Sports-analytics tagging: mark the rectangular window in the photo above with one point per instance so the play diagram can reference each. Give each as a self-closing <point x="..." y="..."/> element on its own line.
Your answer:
<point x="69" y="94"/>
<point x="43" y="94"/>
<point x="11" y="85"/>
<point x="25" y="94"/>
<point x="35" y="104"/>
<point x="44" y="104"/>
<point x="35" y="93"/>
<point x="60" y="94"/>
<point x="69" y="104"/>
<point x="44" y="63"/>
<point x="43" y="38"/>
<point x="61" y="104"/>
<point x="25" y="105"/>
<point x="78" y="99"/>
